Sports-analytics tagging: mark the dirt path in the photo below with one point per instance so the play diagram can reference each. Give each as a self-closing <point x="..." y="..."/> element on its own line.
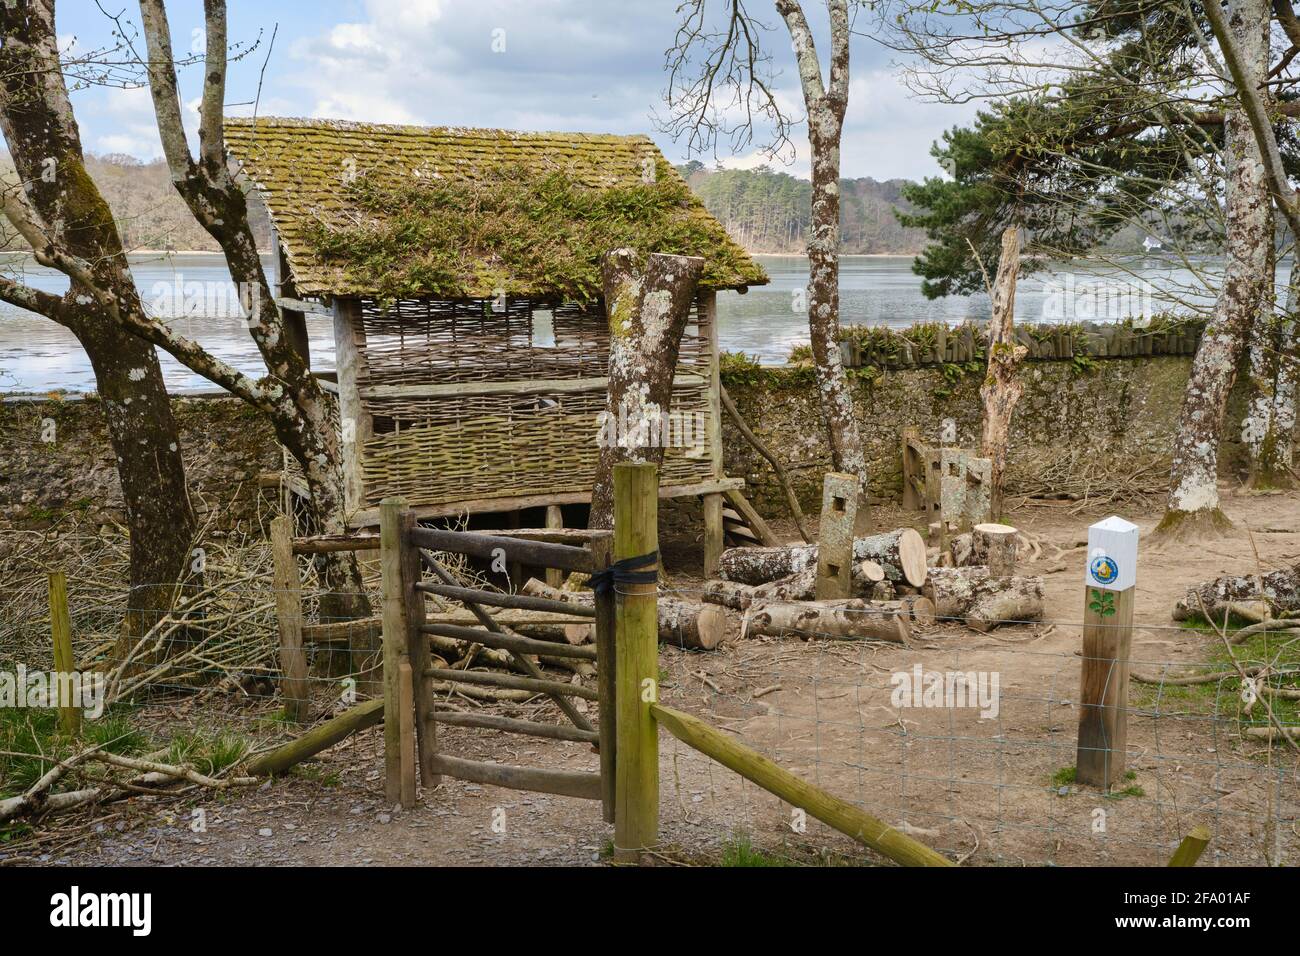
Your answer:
<point x="982" y="787"/>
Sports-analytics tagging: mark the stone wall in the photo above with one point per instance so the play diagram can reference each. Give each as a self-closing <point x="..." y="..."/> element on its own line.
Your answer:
<point x="1075" y="421"/>
<point x="226" y="446"/>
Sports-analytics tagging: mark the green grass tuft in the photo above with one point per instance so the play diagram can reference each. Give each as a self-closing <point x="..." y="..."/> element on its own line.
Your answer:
<point x="740" y="851"/>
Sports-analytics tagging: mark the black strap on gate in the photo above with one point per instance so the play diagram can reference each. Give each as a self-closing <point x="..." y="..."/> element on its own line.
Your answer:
<point x="624" y="572"/>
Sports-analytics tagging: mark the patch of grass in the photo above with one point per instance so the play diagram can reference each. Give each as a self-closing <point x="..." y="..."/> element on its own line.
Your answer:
<point x="1226" y="697"/>
<point x="35" y="732"/>
<point x="739" y="851"/>
<point x="1130" y="791"/>
<point x="1064" y="777"/>
<point x="207" y="754"/>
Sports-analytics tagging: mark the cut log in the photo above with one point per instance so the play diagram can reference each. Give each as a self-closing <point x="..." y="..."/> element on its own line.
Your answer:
<point x="900" y="553"/>
<point x="1280" y="589"/>
<point x="882" y="591"/>
<point x="918" y="609"/>
<point x="990" y="545"/>
<point x="869" y="571"/>
<point x="852" y="620"/>
<point x="728" y="594"/>
<point x="802" y="586"/>
<point x="699" y="626"/>
<point x="982" y="601"/>
<point x="900" y="556"/>
<point x="681" y="623"/>
<point x="994" y="545"/>
<point x="912" y="608"/>
<point x="763" y="565"/>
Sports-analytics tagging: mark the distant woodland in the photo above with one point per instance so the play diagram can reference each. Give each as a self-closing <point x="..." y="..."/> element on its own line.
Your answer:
<point x="768" y="211"/>
<point x="150" y="214"/>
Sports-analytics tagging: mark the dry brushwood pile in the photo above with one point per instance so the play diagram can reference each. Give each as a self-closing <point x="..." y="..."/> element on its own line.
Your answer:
<point x="217" y="635"/>
<point x="897" y="585"/>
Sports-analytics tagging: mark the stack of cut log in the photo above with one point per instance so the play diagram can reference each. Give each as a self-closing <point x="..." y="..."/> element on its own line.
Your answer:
<point x="775" y="586"/>
<point x="681" y="623"/>
<point x="980" y="586"/>
<point x="894" y="589"/>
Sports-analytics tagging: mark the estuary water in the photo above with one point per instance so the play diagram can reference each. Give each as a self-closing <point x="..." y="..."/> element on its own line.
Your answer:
<point x="36" y="355"/>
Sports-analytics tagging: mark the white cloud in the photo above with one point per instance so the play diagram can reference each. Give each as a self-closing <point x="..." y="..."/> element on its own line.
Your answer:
<point x="568" y="65"/>
<point x="134" y="128"/>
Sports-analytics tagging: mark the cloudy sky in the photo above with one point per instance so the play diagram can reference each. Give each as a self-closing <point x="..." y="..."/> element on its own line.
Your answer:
<point x="583" y="65"/>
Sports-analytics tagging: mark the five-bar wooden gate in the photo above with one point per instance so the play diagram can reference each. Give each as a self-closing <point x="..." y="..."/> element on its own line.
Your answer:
<point x="411" y="712"/>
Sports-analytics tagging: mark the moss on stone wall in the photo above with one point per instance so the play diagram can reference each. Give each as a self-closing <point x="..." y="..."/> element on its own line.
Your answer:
<point x="225" y="443"/>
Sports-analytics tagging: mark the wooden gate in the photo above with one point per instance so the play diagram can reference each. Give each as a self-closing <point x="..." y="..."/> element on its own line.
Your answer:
<point x="412" y="570"/>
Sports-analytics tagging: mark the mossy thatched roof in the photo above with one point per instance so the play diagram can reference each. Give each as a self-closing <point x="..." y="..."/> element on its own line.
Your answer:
<point x="410" y="211"/>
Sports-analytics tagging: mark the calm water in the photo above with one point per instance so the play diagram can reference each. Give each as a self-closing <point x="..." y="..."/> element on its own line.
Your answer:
<point x="38" y="355"/>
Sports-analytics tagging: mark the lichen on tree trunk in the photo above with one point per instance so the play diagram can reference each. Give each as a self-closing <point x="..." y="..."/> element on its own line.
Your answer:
<point x="1193" y="503"/>
<point x="826" y="106"/>
<point x="1002" y="386"/>
<point x="647" y="307"/>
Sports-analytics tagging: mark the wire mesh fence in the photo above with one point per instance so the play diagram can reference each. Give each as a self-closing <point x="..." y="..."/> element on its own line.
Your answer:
<point x="965" y="740"/>
<point x="968" y="741"/>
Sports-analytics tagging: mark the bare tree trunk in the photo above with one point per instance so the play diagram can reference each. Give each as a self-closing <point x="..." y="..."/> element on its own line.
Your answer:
<point x="299" y="409"/>
<point x="1270" y="420"/>
<point x="647" y="308"/>
<point x="64" y="214"/>
<point x="1193" y="494"/>
<point x="826" y="106"/>
<point x="1002" y="387"/>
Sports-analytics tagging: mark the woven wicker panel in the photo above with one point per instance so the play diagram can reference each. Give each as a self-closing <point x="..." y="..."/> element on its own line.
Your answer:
<point x="430" y="341"/>
<point x="451" y="448"/>
<point x="494" y="458"/>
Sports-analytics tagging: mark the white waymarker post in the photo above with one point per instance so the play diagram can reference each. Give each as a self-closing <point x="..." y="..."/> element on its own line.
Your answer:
<point x="1109" y="581"/>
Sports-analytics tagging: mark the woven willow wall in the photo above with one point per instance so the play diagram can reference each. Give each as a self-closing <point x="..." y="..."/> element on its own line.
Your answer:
<point x="469" y="403"/>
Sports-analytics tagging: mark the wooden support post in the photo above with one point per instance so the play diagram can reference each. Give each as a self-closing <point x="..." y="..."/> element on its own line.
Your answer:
<point x="775" y="779"/>
<point x="355" y="422"/>
<point x="602" y="555"/>
<point x="1193" y="845"/>
<point x="417" y="653"/>
<point x="317" y="739"/>
<point x="713" y="534"/>
<point x="913" y="470"/>
<point x="295" y="322"/>
<point x="636" y="815"/>
<point x="64" y="662"/>
<point x="1109" y="586"/>
<point x="406" y="727"/>
<point x="554" y="519"/>
<point x="835" y="536"/>
<point x="294" y="686"/>
<point x="396" y="631"/>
